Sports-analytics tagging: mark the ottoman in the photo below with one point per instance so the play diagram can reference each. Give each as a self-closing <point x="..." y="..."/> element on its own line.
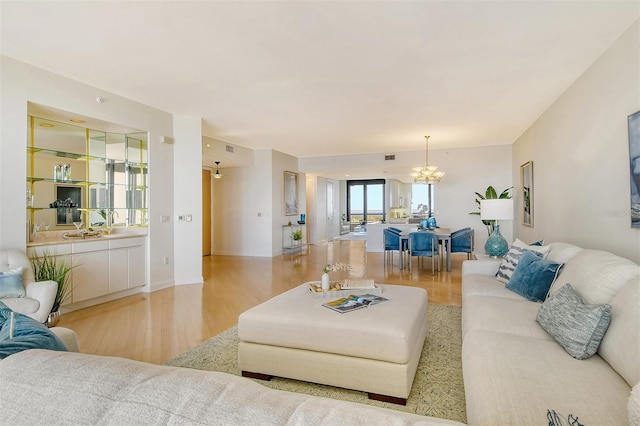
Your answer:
<point x="375" y="349"/>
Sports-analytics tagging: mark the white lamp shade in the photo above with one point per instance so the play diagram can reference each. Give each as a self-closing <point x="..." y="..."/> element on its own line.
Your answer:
<point x="497" y="209"/>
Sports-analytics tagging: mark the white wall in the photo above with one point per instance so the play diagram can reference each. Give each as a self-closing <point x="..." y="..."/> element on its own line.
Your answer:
<point x="580" y="153"/>
<point x="21" y="83"/>
<point x="187" y="135"/>
<point x="281" y="163"/>
<point x="242" y="209"/>
<point x="468" y="170"/>
<point x="248" y="206"/>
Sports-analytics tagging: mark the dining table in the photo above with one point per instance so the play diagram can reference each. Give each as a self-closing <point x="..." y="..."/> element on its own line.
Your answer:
<point x="444" y="239"/>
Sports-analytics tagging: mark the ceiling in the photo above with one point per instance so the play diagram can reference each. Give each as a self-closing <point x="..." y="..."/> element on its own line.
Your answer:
<point x="317" y="78"/>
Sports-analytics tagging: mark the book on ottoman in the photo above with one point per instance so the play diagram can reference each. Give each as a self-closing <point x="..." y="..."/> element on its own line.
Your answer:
<point x="354" y="302"/>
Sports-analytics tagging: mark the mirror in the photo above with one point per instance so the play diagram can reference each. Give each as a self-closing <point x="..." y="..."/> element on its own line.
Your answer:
<point x="77" y="173"/>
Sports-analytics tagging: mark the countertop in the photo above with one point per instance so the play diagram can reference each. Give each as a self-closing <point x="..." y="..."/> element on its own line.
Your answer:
<point x="43" y="238"/>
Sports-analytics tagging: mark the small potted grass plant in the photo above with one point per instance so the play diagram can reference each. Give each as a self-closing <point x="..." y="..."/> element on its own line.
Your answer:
<point x="54" y="268"/>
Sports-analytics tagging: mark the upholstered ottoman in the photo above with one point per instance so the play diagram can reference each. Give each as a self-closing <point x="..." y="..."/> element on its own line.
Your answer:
<point x="375" y="349"/>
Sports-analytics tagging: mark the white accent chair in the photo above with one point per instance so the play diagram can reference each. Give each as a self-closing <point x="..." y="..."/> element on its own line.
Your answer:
<point x="39" y="296"/>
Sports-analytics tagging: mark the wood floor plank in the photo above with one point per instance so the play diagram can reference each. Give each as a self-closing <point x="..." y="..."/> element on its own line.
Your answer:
<point x="158" y="326"/>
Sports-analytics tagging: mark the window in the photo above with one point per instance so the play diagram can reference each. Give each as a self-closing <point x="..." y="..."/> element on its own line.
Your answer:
<point x="422" y="196"/>
<point x="365" y="200"/>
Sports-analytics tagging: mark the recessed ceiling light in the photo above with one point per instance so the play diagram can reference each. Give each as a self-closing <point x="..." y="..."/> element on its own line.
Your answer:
<point x="46" y="125"/>
<point x="208" y="145"/>
<point x="77" y="120"/>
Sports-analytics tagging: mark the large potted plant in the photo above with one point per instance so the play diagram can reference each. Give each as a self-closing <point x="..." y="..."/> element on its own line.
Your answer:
<point x="54" y="268"/>
<point x="490" y="194"/>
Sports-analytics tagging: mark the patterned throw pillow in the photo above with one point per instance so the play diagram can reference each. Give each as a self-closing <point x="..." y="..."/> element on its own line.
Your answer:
<point x="511" y="259"/>
<point x="11" y="284"/>
<point x="578" y="327"/>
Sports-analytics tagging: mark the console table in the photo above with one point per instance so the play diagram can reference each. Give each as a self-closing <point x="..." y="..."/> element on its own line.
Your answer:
<point x="290" y="244"/>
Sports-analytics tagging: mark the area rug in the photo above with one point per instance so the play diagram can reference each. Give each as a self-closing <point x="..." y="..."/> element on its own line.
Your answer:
<point x="437" y="390"/>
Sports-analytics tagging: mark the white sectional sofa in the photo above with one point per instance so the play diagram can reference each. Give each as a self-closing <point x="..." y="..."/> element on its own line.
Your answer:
<point x="49" y="387"/>
<point x="515" y="371"/>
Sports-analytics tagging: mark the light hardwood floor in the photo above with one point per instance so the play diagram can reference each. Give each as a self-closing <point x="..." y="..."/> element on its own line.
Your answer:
<point x="155" y="327"/>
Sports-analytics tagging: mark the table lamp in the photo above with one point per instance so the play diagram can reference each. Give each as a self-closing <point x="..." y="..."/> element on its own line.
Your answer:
<point x="496" y="209"/>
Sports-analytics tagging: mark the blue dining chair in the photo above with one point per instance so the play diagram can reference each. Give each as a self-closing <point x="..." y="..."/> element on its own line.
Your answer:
<point x="462" y="241"/>
<point x="391" y="237"/>
<point x="423" y="244"/>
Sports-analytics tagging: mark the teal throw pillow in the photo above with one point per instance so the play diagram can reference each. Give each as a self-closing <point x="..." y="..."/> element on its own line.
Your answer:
<point x="11" y="284"/>
<point x="533" y="276"/>
<point x="19" y="332"/>
<point x="578" y="327"/>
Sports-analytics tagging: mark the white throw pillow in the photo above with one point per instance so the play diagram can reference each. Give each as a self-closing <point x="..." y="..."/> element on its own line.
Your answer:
<point x="511" y="259"/>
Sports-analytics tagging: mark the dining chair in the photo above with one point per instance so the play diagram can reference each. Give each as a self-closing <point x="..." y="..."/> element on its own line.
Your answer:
<point x="423" y="244"/>
<point x="392" y="242"/>
<point x="462" y="241"/>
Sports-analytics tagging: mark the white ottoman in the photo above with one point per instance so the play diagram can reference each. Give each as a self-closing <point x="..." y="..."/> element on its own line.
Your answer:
<point x="375" y="349"/>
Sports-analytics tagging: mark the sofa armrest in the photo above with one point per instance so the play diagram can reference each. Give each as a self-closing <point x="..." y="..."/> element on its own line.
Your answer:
<point x="483" y="267"/>
<point x="68" y="337"/>
<point x="45" y="293"/>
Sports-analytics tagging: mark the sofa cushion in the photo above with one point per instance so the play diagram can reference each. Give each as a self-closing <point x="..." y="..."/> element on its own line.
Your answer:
<point x="514" y="380"/>
<point x="485" y="285"/>
<point x="533" y="276"/>
<point x="634" y="406"/>
<point x="513" y="316"/>
<point x="578" y="327"/>
<point x="11" y="283"/>
<point x="19" y="332"/>
<point x="511" y="259"/>
<point x="596" y="275"/>
<point x="620" y="346"/>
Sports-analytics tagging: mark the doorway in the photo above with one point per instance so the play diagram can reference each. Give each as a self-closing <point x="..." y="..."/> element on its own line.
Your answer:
<point x="206" y="212"/>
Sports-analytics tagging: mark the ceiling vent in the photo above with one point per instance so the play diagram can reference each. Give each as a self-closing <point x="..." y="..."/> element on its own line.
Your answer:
<point x="229" y="148"/>
<point x="389" y="157"/>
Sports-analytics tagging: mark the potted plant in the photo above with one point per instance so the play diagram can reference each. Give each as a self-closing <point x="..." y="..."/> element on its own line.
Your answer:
<point x="54" y="268"/>
<point x="297" y="235"/>
<point x="490" y="194"/>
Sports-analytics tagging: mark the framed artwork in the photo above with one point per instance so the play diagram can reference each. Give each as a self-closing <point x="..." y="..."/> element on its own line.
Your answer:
<point x="69" y="200"/>
<point x="290" y="193"/>
<point x="526" y="180"/>
<point x="634" y="167"/>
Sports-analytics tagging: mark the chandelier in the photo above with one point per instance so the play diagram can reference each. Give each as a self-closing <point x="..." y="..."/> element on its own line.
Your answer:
<point x="428" y="173"/>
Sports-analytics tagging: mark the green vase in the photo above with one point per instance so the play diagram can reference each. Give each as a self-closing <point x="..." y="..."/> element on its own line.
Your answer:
<point x="496" y="245"/>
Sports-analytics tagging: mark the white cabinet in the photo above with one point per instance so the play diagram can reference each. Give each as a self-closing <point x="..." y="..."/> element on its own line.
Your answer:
<point x="101" y="266"/>
<point x="137" y="266"/>
<point x="118" y="269"/>
<point x="127" y="264"/>
<point x="395" y="194"/>
<point x="90" y="276"/>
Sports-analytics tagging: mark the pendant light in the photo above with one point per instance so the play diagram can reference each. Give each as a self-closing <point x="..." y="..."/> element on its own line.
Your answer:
<point x="217" y="175"/>
<point x="428" y="173"/>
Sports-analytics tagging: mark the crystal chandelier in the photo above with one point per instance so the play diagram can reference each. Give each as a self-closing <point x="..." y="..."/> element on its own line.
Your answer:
<point x="428" y="173"/>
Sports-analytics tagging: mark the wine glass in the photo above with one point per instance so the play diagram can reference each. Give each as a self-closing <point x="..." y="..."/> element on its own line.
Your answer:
<point x="78" y="225"/>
